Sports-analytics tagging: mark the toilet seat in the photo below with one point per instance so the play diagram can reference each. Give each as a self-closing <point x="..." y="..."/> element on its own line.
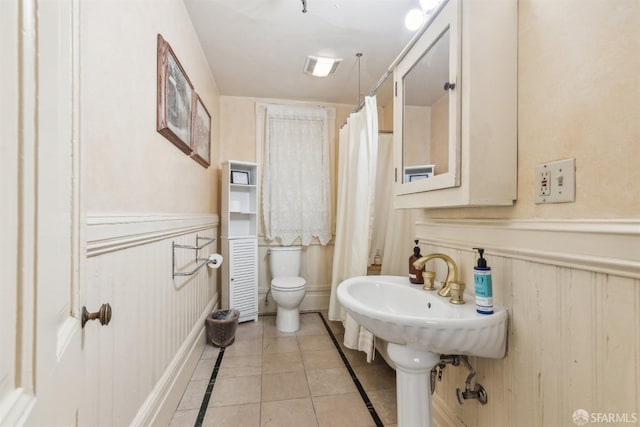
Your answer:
<point x="288" y="284"/>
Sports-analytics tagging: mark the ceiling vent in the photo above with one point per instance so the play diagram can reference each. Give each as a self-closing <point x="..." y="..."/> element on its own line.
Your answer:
<point x="321" y="66"/>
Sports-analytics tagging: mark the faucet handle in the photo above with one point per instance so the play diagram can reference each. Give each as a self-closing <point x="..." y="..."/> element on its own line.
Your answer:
<point x="457" y="292"/>
<point x="429" y="278"/>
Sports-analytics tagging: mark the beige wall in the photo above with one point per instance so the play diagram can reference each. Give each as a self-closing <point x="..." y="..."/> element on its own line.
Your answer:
<point x="131" y="167"/>
<point x="144" y="193"/>
<point x="416" y="150"/>
<point x="238" y="130"/>
<point x="440" y="134"/>
<point x="568" y="273"/>
<point x="578" y="96"/>
<point x="238" y="142"/>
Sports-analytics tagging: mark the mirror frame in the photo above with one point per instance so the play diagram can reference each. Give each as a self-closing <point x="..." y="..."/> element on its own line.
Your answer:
<point x="448" y="18"/>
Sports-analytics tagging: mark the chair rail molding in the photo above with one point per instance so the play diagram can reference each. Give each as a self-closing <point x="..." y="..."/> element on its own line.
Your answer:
<point x="113" y="232"/>
<point x="604" y="246"/>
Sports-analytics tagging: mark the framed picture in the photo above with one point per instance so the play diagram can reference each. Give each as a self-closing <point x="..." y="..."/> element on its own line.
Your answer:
<point x="240" y="177"/>
<point x="175" y="99"/>
<point x="200" y="132"/>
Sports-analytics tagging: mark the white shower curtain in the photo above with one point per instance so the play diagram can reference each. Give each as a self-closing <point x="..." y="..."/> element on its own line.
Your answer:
<point x="358" y="151"/>
<point x="384" y="195"/>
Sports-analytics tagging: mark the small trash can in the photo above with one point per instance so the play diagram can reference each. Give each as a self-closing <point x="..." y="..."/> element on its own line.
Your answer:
<point x="221" y="326"/>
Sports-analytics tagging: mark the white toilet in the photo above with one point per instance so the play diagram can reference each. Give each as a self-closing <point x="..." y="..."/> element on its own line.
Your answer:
<point x="287" y="287"/>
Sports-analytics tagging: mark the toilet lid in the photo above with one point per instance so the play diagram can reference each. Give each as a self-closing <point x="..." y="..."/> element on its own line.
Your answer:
<point x="288" y="283"/>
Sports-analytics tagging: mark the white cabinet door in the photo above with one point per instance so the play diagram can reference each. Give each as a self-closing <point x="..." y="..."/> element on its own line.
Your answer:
<point x="243" y="277"/>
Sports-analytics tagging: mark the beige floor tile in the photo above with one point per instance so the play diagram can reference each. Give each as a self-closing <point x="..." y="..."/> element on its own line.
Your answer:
<point x="193" y="395"/>
<point x="288" y="413"/>
<point x="384" y="402"/>
<point x="236" y="391"/>
<point x="203" y="369"/>
<point x="322" y="359"/>
<point x="281" y="362"/>
<point x="315" y="342"/>
<point x="284" y="386"/>
<point x="341" y="410"/>
<point x="240" y="366"/>
<point x="250" y="330"/>
<point x="280" y="345"/>
<point x="184" y="418"/>
<point x="335" y="326"/>
<point x="330" y="381"/>
<point x="355" y="357"/>
<point x="210" y="352"/>
<point x="233" y="416"/>
<point x="269" y="378"/>
<point x="310" y="318"/>
<point x="312" y="329"/>
<point x="244" y="348"/>
<point x="270" y="329"/>
<point x="376" y="377"/>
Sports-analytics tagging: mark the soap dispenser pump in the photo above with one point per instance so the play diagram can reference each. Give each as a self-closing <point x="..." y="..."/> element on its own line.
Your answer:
<point x="483" y="285"/>
<point x="415" y="274"/>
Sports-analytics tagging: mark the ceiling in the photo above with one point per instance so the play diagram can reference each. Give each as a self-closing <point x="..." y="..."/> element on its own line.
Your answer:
<point x="257" y="48"/>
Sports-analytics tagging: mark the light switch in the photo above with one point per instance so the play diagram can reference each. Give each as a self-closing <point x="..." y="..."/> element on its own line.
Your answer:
<point x="555" y="182"/>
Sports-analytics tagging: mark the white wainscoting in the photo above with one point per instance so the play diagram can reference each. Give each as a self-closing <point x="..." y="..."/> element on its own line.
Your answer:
<point x="572" y="289"/>
<point x="142" y="360"/>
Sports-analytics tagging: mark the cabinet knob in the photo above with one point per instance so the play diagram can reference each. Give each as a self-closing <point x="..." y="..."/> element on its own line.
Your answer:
<point x="449" y="86"/>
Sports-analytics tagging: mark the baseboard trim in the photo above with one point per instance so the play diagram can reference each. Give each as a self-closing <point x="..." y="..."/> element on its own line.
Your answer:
<point x="313" y="301"/>
<point x="161" y="404"/>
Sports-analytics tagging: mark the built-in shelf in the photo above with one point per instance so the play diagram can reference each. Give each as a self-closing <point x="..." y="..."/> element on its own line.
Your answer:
<point x="239" y="238"/>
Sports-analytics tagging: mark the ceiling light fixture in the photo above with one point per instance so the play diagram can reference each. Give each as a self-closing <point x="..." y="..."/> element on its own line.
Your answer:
<point x="320" y="66"/>
<point x="416" y="18"/>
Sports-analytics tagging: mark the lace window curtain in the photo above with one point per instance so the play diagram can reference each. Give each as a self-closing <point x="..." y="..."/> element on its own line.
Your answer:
<point x="296" y="180"/>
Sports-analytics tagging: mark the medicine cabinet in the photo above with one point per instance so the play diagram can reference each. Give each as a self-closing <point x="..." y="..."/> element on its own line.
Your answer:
<point x="455" y="109"/>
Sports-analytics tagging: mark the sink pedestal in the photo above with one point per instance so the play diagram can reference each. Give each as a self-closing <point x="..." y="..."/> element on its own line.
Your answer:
<point x="413" y="369"/>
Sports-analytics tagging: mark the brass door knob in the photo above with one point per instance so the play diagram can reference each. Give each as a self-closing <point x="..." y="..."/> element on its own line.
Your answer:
<point x="104" y="315"/>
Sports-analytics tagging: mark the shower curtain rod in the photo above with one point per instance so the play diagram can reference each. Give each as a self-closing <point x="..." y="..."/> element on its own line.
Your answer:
<point x="399" y="58"/>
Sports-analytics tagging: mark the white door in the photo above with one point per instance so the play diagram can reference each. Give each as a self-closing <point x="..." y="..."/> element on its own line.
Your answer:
<point x="42" y="368"/>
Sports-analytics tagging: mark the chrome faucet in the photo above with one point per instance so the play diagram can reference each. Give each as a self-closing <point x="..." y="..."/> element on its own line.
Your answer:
<point x="452" y="277"/>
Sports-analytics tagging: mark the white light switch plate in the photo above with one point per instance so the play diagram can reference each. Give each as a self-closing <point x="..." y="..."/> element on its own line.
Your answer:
<point x="555" y="182"/>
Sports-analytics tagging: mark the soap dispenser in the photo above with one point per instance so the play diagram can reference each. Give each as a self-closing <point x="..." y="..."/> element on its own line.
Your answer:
<point x="483" y="285"/>
<point x="415" y="275"/>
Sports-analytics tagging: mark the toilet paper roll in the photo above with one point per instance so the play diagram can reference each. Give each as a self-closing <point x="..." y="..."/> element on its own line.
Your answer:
<point x="215" y="261"/>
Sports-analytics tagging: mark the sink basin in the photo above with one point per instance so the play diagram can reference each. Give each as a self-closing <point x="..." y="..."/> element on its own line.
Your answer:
<point x="419" y="326"/>
<point x="405" y="314"/>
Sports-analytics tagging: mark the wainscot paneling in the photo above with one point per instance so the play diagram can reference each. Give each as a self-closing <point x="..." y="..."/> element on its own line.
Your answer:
<point x="572" y="289"/>
<point x="141" y="362"/>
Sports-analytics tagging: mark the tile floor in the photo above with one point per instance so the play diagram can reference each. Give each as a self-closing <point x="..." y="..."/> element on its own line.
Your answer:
<point x="269" y="378"/>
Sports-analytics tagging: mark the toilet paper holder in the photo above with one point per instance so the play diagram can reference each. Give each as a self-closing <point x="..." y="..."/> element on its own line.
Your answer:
<point x="201" y="262"/>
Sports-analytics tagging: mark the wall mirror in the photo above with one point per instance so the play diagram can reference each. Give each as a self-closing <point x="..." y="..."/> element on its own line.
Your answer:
<point x="426" y="109"/>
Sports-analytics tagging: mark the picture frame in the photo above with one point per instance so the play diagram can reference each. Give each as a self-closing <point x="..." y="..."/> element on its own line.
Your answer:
<point x="240" y="177"/>
<point x="200" y="132"/>
<point x="175" y="99"/>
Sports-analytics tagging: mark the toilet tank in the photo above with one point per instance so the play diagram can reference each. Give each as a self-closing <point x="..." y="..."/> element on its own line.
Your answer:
<point x="284" y="261"/>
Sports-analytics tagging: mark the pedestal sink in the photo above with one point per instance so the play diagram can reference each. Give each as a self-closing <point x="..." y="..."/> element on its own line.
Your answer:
<point x="419" y="326"/>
